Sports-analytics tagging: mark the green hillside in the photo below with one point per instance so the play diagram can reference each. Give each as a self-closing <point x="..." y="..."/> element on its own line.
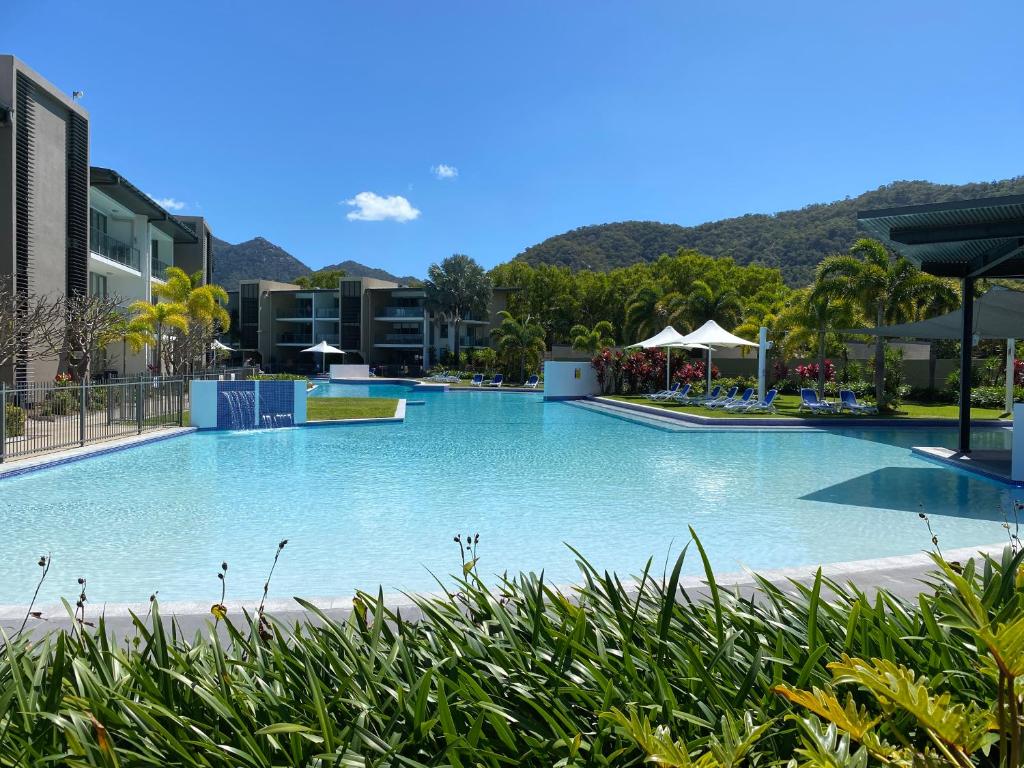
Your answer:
<point x="793" y="241"/>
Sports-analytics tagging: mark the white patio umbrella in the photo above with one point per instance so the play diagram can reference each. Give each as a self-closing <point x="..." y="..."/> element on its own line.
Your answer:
<point x="712" y="335"/>
<point x="668" y="338"/>
<point x="218" y="346"/>
<point x="324" y="349"/>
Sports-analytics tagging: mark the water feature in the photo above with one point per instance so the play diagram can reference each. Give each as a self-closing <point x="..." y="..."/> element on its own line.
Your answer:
<point x="241" y="409"/>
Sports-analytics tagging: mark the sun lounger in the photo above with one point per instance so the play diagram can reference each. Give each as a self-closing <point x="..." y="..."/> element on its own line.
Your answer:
<point x="763" y="406"/>
<point x="681" y="395"/>
<point x="848" y="402"/>
<point x="664" y="394"/>
<point x="497" y="381"/>
<point x="809" y="401"/>
<point x="532" y="382"/>
<point x="478" y="380"/>
<point x="729" y="397"/>
<point x="741" y="402"/>
<point x="711" y="396"/>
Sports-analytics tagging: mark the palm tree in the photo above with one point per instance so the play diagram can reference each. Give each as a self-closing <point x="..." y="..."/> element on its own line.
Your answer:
<point x="650" y="309"/>
<point x="455" y="288"/>
<point x="520" y="337"/>
<point x="134" y="333"/>
<point x="888" y="289"/>
<point x="594" y="339"/>
<point x="811" y="317"/>
<point x="204" y="308"/>
<point x="159" y="318"/>
<point x="713" y="302"/>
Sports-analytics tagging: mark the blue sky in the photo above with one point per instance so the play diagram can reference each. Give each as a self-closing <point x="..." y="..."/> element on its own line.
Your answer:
<point x="267" y="117"/>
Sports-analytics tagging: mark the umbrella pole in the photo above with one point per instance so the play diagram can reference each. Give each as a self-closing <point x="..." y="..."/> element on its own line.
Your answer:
<point x="668" y="368"/>
<point x="707" y="390"/>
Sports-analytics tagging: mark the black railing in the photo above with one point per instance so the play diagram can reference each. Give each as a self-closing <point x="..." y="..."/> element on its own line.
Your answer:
<point x="41" y="418"/>
<point x="114" y="249"/>
<point x="159" y="268"/>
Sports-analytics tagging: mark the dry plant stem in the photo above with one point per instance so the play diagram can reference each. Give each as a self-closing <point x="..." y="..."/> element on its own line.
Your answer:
<point x="44" y="562"/>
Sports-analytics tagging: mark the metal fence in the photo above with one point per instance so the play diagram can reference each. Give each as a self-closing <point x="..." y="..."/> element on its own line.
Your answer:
<point x="39" y="418"/>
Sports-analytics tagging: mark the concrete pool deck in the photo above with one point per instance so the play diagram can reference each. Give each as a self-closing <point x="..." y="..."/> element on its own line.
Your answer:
<point x="903" y="576"/>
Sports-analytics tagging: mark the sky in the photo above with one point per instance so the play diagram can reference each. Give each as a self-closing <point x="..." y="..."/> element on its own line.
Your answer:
<point x="398" y="133"/>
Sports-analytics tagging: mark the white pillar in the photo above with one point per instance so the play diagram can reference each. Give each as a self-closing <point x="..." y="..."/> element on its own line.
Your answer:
<point x="1011" y="356"/>
<point x="762" y="359"/>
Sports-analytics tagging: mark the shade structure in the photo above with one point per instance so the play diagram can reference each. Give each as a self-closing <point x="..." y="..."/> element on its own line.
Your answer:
<point x="324" y="349"/>
<point x="218" y="346"/>
<point x="998" y="314"/>
<point x="712" y="335"/>
<point x="668" y="338"/>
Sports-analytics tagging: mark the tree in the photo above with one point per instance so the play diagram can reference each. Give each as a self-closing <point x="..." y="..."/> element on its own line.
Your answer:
<point x="161" y="318"/>
<point x="456" y="288"/>
<point x="26" y="323"/>
<point x="205" y="312"/>
<point x="324" y="278"/>
<point x="888" y="289"/>
<point x="91" y="322"/>
<point x="592" y="340"/>
<point x="811" y="321"/>
<point x="520" y="338"/>
<point x="133" y="334"/>
<point x="710" y="301"/>
<point x="649" y="310"/>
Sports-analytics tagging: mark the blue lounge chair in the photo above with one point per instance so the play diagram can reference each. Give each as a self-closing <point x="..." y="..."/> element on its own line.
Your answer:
<point x="497" y="381"/>
<point x="532" y="382"/>
<point x="764" y="406"/>
<point x="809" y="401"/>
<point x="742" y="402"/>
<point x="664" y="394"/>
<point x="719" y="402"/>
<point x="681" y="396"/>
<point x="848" y="402"/>
<point x="478" y="380"/>
<point x="712" y="395"/>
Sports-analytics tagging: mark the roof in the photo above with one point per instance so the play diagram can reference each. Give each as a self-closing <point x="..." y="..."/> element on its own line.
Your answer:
<point x="963" y="238"/>
<point x="117" y="187"/>
<point x="998" y="314"/>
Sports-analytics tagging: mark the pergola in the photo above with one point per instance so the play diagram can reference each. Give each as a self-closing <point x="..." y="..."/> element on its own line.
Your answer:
<point x="964" y="239"/>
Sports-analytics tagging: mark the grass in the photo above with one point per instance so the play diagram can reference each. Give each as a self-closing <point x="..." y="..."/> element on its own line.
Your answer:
<point x="786" y="408"/>
<point x="528" y="675"/>
<point x="333" y="408"/>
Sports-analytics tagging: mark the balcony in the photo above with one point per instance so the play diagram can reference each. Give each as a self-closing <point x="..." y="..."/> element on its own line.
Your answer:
<point x="401" y="340"/>
<point x="159" y="268"/>
<point x="111" y="248"/>
<point x="294" y="337"/>
<point x="327" y="313"/>
<point x="297" y="311"/>
<point x="389" y="312"/>
<point x="470" y="341"/>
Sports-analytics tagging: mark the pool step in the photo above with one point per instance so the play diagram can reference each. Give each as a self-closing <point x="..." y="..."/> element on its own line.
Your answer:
<point x="663" y="423"/>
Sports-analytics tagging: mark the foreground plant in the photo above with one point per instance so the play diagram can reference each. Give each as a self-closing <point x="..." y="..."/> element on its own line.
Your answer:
<point x="608" y="674"/>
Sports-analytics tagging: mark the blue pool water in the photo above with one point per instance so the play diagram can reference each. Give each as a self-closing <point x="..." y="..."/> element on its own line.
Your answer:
<point x="379" y="504"/>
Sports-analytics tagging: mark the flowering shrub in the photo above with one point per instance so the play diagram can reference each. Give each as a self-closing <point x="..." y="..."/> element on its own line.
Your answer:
<point x="1018" y="373"/>
<point x="810" y="371"/>
<point x="779" y="370"/>
<point x="643" y="370"/>
<point x="62" y="379"/>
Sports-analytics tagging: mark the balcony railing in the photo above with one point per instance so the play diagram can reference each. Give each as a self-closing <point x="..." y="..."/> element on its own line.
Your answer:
<point x="290" y="337"/>
<point x="330" y="338"/>
<point x="470" y="341"/>
<point x="159" y="268"/>
<point x="301" y="310"/>
<point x="111" y="248"/>
<point x="331" y="313"/>
<point x="401" y="312"/>
<point x="403" y="338"/>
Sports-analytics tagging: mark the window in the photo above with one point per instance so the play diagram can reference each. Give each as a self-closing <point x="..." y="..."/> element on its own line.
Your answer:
<point x="97" y="285"/>
<point x="154" y="250"/>
<point x="444" y="330"/>
<point x="97" y="221"/>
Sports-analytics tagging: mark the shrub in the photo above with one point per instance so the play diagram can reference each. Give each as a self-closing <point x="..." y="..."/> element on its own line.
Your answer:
<point x="14" y="420"/>
<point x="860" y="388"/>
<point x="62" y="401"/>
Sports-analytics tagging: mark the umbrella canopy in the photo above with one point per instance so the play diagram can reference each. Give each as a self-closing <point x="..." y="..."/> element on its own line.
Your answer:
<point x="998" y="314"/>
<point x="217" y="345"/>
<point x="325" y="348"/>
<point x="711" y="334"/>
<point x="670" y="339"/>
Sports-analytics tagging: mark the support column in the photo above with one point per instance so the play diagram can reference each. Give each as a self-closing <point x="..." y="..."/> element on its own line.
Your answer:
<point x="966" y="350"/>
<point x="1011" y="357"/>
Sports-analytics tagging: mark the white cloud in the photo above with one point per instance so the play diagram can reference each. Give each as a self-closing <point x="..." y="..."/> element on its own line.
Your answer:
<point x="168" y="202"/>
<point x="370" y="206"/>
<point x="443" y="171"/>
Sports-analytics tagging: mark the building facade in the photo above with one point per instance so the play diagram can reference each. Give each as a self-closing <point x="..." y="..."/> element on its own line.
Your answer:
<point x="377" y="322"/>
<point x="44" y="197"/>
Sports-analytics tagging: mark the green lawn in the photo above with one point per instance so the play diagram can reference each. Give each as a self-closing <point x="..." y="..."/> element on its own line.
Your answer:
<point x="786" y="407"/>
<point x="330" y="408"/>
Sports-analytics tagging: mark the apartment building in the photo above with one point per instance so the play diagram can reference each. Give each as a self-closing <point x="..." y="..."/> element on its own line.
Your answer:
<point x="44" y="196"/>
<point x="377" y="322"/>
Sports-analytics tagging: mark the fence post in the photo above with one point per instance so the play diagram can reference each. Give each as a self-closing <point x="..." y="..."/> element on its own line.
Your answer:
<point x="81" y="414"/>
<point x="181" y="403"/>
<point x="3" y="420"/>
<point x="140" y="393"/>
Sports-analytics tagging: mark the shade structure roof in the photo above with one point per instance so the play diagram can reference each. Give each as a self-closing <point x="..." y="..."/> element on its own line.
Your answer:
<point x="326" y="348"/>
<point x="963" y="238"/>
<point x="667" y="336"/>
<point x="713" y="335"/>
<point x="218" y="344"/>
<point x="998" y="314"/>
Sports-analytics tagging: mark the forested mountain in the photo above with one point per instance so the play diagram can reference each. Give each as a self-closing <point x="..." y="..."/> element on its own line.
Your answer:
<point x="260" y="259"/>
<point x="793" y="241"/>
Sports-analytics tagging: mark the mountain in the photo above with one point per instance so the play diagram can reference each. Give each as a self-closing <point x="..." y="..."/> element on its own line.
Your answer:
<point x="254" y="259"/>
<point x="355" y="269"/>
<point x="260" y="259"/>
<point x="793" y="241"/>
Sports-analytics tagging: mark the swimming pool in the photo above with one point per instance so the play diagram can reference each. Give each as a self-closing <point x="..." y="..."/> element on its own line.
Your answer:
<point x="378" y="504"/>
